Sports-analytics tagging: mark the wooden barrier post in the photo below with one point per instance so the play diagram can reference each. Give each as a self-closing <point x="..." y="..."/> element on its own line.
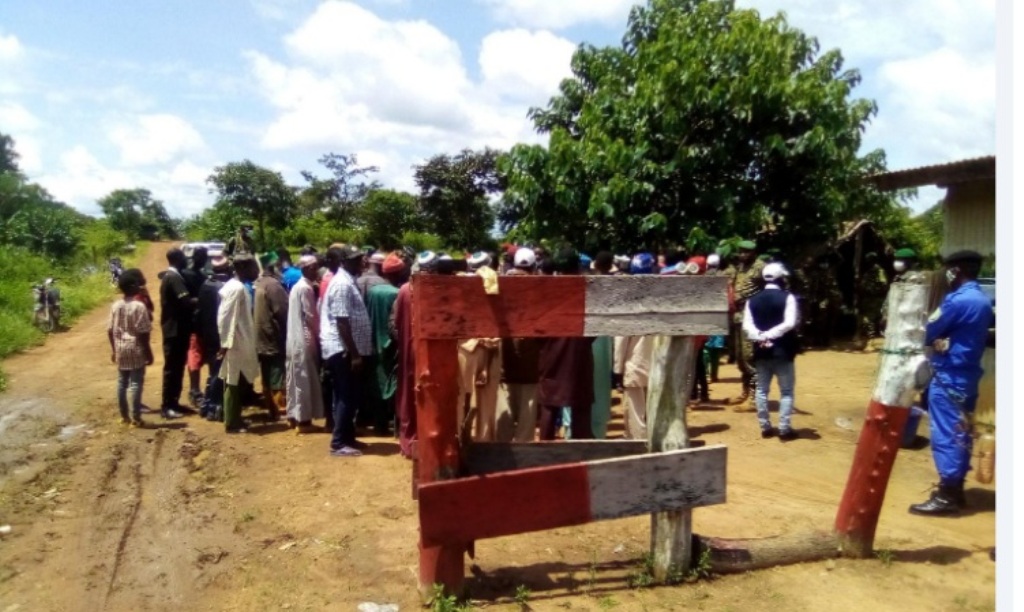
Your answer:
<point x="437" y="448"/>
<point x="454" y="511"/>
<point x="671" y="380"/>
<point x="887" y="413"/>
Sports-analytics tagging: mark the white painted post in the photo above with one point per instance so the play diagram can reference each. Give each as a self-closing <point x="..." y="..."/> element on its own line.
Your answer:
<point x="671" y="380"/>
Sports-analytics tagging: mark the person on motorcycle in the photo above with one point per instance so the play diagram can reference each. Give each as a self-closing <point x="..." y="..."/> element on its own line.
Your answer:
<point x="46" y="304"/>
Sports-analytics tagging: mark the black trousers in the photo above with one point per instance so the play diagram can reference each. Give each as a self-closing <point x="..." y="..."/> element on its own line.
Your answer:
<point x="175" y="357"/>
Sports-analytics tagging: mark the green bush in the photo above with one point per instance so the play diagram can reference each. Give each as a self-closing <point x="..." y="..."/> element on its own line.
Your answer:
<point x="81" y="291"/>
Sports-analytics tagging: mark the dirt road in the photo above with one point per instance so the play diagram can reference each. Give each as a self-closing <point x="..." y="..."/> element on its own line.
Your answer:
<point x="184" y="517"/>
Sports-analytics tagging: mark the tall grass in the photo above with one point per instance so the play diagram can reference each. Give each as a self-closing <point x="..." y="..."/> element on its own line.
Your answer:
<point x="81" y="291"/>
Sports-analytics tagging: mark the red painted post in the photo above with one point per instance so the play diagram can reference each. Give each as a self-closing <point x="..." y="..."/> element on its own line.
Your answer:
<point x="857" y="518"/>
<point x="437" y="369"/>
<point x="887" y="414"/>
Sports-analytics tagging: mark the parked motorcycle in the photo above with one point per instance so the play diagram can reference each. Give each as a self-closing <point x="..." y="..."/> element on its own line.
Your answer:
<point x="46" y="305"/>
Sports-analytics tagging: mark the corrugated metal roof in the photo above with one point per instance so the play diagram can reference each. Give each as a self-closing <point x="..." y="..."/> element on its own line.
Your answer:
<point x="939" y="174"/>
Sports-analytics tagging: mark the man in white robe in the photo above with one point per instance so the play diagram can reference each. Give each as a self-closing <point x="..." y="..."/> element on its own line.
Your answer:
<point x="632" y="369"/>
<point x="237" y="339"/>
<point x="302" y="350"/>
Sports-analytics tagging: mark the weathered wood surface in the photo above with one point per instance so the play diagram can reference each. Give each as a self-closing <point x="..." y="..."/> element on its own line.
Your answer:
<point x="437" y="450"/>
<point x="743" y="555"/>
<point x="481" y="458"/>
<point x="571" y="306"/>
<point x="671" y="380"/>
<point x="887" y="414"/>
<point x="656" y="305"/>
<point x="535" y="499"/>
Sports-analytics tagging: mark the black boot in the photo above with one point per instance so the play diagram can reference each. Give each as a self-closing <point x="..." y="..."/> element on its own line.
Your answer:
<point x="943" y="502"/>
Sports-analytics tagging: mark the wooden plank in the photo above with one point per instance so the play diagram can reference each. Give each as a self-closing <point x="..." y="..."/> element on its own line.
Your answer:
<point x="570" y="306"/>
<point x="674" y="480"/>
<point x="437" y="450"/>
<point x="522" y="501"/>
<point x="656" y="305"/>
<point x="530" y="306"/>
<point x="489" y="457"/>
<point x="672" y="378"/>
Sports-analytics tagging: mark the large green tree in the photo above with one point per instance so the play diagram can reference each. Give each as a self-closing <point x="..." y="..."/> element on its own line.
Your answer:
<point x="706" y="116"/>
<point x="455" y="195"/>
<point x="258" y="192"/>
<point x="386" y="215"/>
<point x="340" y="195"/>
<point x="8" y="155"/>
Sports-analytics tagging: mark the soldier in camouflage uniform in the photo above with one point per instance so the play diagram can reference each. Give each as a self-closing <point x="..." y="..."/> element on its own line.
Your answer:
<point x="241" y="242"/>
<point x="746" y="282"/>
<point x="872" y="288"/>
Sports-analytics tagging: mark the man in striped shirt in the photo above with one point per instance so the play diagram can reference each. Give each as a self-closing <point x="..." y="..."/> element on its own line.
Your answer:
<point x="128" y="332"/>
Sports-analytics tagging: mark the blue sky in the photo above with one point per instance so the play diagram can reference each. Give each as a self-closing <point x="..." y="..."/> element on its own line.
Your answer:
<point x="102" y="94"/>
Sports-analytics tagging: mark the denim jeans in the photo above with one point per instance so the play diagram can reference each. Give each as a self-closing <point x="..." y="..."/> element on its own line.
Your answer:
<point x="130" y="380"/>
<point x="345" y="405"/>
<point x="784" y="370"/>
<point x="214" y="392"/>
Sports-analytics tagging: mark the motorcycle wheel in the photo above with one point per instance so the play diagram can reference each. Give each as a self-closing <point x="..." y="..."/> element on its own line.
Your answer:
<point x="49" y="323"/>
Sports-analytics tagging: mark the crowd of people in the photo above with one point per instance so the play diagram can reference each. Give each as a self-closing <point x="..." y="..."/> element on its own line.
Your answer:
<point x="330" y="337"/>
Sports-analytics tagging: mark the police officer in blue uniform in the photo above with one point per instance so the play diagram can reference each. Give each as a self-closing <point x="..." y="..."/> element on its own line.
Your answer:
<point x="957" y="331"/>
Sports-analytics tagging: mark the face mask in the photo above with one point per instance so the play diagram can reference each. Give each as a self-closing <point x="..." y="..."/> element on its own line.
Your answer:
<point x="950" y="275"/>
<point x="899" y="266"/>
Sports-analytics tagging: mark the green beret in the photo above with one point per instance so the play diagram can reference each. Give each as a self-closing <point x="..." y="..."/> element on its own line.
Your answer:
<point x="747" y="245"/>
<point x="269" y="258"/>
<point x="905" y="254"/>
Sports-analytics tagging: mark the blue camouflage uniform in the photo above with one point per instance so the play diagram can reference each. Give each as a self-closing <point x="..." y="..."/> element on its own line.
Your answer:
<point x="964" y="318"/>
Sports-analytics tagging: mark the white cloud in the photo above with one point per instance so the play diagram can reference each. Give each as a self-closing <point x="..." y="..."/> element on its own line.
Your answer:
<point x="944" y="105"/>
<point x="557" y="14"/>
<point x="10" y="48"/>
<point x="522" y="64"/>
<point x="81" y="179"/>
<point x="155" y="139"/>
<point x="397" y="92"/>
<point x="16" y="118"/>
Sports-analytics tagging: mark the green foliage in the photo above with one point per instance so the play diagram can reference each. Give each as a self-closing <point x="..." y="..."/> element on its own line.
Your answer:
<point x="455" y="196"/>
<point x="702" y="570"/>
<point x="440" y="602"/>
<point x="643" y="576"/>
<point x="886" y="556"/>
<point x="522" y="596"/>
<point x="101" y="241"/>
<point x="420" y="241"/>
<point x="81" y="291"/>
<point x="386" y="215"/>
<point x="706" y="116"/>
<point x="219" y="222"/>
<point x="259" y="193"/>
<point x="339" y="197"/>
<point x="8" y="156"/>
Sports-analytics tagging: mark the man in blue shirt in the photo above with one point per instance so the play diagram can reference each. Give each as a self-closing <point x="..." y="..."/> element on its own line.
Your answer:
<point x="958" y="332"/>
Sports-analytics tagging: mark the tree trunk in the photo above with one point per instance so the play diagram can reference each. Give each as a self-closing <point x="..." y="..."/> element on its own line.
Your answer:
<point x="725" y="556"/>
<point x="898" y="380"/>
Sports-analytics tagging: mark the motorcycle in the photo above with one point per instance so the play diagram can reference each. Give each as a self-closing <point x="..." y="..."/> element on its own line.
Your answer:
<point x="46" y="300"/>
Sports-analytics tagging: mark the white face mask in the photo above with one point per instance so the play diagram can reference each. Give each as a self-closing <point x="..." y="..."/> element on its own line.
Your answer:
<point x="899" y="266"/>
<point x="951" y="275"/>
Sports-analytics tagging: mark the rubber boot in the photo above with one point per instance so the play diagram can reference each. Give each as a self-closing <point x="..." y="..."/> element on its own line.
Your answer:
<point x="943" y="502"/>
